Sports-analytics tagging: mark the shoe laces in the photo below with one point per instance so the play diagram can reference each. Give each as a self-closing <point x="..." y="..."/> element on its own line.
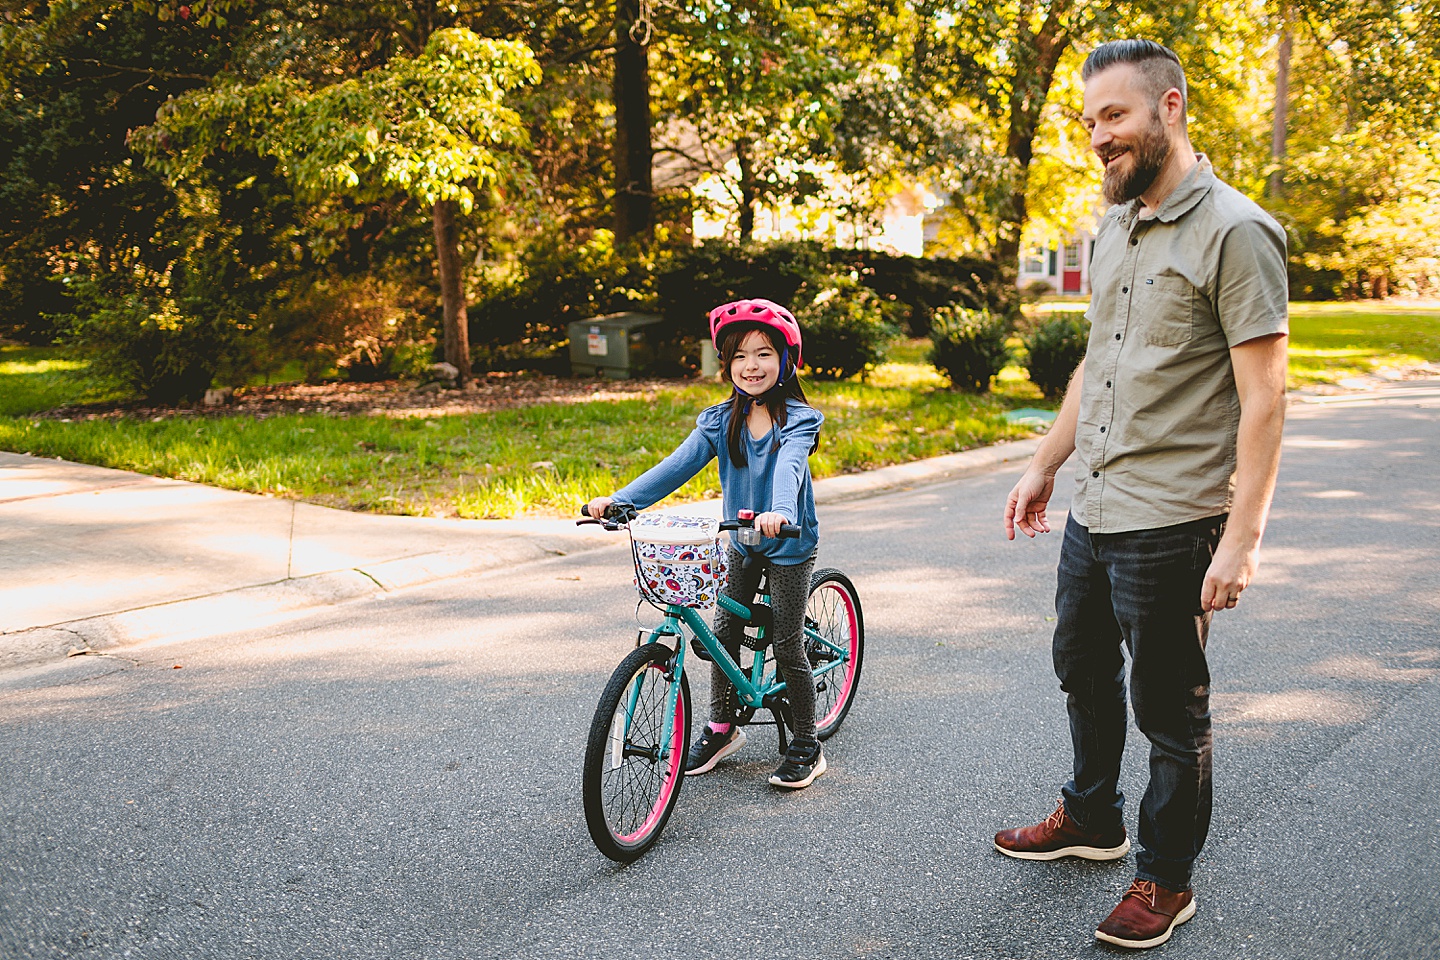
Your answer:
<point x="1143" y="889"/>
<point x="1056" y="819"/>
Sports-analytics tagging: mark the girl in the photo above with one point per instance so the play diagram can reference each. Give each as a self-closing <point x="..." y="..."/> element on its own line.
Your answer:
<point x="763" y="436"/>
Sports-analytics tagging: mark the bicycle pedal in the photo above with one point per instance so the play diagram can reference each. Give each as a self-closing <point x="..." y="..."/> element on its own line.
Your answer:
<point x="699" y="651"/>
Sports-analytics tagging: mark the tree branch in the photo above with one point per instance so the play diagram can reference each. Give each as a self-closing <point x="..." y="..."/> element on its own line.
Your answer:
<point x="148" y="71"/>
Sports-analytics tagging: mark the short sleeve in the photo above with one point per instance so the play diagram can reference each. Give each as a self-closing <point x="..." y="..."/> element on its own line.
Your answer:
<point x="1252" y="287"/>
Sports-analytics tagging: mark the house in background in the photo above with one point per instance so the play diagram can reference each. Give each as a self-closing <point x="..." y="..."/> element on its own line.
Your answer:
<point x="909" y="224"/>
<point x="1065" y="269"/>
<point x="901" y="227"/>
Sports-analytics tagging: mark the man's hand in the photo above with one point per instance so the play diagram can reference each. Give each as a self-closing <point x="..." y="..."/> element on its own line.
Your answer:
<point x="1231" y="570"/>
<point x="1260" y="380"/>
<point x="1027" y="503"/>
<point x="769" y="523"/>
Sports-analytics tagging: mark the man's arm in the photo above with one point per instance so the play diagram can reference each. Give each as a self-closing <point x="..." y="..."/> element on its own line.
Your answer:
<point x="1027" y="503"/>
<point x="1260" y="367"/>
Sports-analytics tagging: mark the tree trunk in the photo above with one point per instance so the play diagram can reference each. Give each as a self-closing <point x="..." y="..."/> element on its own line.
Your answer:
<point x="1029" y="93"/>
<point x="747" y="190"/>
<point x="634" y="191"/>
<point x="1276" y="186"/>
<point x="452" y="287"/>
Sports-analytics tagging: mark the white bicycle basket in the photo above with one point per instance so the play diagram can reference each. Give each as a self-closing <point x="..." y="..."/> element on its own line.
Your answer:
<point x="678" y="560"/>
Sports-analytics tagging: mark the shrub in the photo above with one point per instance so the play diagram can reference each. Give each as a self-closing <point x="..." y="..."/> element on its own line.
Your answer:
<point x="1056" y="347"/>
<point x="520" y="311"/>
<point x="717" y="271"/>
<point x="916" y="286"/>
<point x="152" y="349"/>
<point x="844" y="328"/>
<point x="364" y="328"/>
<point x="968" y="346"/>
<point x="1036" y="290"/>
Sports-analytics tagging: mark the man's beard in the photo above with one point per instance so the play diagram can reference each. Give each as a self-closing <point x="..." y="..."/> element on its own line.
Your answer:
<point x="1148" y="153"/>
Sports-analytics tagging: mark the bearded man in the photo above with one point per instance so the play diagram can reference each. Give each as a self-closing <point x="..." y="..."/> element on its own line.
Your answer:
<point x="1175" y="414"/>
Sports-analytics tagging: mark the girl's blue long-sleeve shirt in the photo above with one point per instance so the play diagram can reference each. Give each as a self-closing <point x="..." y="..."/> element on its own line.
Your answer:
<point x="774" y="480"/>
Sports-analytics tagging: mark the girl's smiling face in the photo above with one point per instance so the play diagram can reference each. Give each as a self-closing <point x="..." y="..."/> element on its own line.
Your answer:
<point x="755" y="367"/>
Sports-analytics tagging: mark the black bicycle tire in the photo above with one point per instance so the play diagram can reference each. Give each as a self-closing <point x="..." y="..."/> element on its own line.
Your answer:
<point x="596" y="746"/>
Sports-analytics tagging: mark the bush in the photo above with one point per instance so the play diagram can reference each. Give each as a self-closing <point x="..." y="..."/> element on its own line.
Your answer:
<point x="152" y="349"/>
<point x="915" y="286"/>
<point x="1036" y="290"/>
<point x="968" y="346"/>
<point x="845" y="330"/>
<point x="519" y="312"/>
<point x="365" y="329"/>
<point x="717" y="271"/>
<point x="1056" y="347"/>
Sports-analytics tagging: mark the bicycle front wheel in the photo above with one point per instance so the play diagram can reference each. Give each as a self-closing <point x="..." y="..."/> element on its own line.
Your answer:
<point x="833" y="613"/>
<point x="635" y="756"/>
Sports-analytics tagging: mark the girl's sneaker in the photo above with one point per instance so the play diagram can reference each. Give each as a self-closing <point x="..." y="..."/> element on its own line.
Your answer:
<point x="711" y="748"/>
<point x="802" y="764"/>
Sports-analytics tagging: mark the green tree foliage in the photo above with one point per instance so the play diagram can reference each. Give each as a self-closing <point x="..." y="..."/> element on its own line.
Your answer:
<point x="73" y="204"/>
<point x="433" y="126"/>
<point x="1358" y="186"/>
<point x="755" y="87"/>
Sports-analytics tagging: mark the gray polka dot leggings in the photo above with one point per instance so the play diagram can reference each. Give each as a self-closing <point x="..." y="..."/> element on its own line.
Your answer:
<point x="789" y="589"/>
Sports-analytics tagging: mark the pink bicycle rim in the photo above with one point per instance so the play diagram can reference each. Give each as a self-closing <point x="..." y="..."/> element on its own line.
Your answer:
<point x="850" y="673"/>
<point x="672" y="776"/>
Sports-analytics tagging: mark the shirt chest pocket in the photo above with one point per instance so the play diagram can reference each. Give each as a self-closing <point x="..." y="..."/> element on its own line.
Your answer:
<point x="1165" y="307"/>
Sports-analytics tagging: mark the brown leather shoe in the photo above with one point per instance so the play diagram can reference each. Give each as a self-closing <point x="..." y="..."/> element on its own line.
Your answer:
<point x="1147" y="915"/>
<point x="1059" y="837"/>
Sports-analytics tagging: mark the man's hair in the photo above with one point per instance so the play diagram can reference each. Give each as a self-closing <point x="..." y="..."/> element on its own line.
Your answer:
<point x="1157" y="65"/>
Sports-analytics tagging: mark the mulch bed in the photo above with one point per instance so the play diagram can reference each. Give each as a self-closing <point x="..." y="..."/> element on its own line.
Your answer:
<point x="485" y="393"/>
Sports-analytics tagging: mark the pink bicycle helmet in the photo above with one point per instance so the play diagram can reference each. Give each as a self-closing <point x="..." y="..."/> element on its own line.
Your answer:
<point x="764" y="312"/>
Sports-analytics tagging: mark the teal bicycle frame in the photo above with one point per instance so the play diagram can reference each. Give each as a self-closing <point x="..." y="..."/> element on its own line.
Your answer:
<point x="753" y="690"/>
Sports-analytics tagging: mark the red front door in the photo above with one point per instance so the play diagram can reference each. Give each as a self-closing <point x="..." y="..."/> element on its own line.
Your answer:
<point x="1070" y="276"/>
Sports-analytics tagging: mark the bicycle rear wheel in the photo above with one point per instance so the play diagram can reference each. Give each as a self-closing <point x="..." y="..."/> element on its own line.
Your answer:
<point x="630" y="782"/>
<point x="833" y="612"/>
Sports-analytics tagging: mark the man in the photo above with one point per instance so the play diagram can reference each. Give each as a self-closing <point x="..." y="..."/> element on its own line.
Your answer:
<point x="1175" y="415"/>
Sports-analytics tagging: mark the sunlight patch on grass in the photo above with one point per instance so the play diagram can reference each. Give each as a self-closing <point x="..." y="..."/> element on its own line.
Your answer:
<point x="33" y="379"/>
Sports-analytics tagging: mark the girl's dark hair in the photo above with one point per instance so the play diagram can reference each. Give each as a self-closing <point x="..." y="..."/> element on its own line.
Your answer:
<point x="774" y="398"/>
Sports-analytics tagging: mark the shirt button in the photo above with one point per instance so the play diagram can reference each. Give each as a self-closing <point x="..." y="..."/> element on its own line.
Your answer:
<point x="1094" y="473"/>
<point x="1117" y="336"/>
<point x="1102" y="429"/>
<point x="1134" y="240"/>
<point x="1124" y="289"/>
<point x="1107" y="383"/>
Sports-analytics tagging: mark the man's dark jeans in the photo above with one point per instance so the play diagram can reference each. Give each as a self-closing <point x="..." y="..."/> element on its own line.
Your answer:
<point x="1141" y="589"/>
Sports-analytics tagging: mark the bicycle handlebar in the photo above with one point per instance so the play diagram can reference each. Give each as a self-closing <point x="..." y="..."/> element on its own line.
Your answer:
<point x="619" y="514"/>
<point x="788" y="531"/>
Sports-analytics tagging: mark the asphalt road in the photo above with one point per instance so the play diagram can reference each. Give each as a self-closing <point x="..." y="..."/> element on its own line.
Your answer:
<point x="399" y="778"/>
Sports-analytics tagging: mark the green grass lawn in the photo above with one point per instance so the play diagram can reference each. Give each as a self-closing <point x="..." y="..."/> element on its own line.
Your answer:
<point x="1332" y="341"/>
<point x="551" y="457"/>
<point x="546" y="458"/>
<point x="42" y="378"/>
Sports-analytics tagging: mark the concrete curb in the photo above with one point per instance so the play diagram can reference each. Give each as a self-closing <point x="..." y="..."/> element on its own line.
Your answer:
<point x="262" y="605"/>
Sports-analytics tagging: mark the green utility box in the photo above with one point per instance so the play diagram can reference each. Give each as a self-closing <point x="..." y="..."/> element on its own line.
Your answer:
<point x="614" y="346"/>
